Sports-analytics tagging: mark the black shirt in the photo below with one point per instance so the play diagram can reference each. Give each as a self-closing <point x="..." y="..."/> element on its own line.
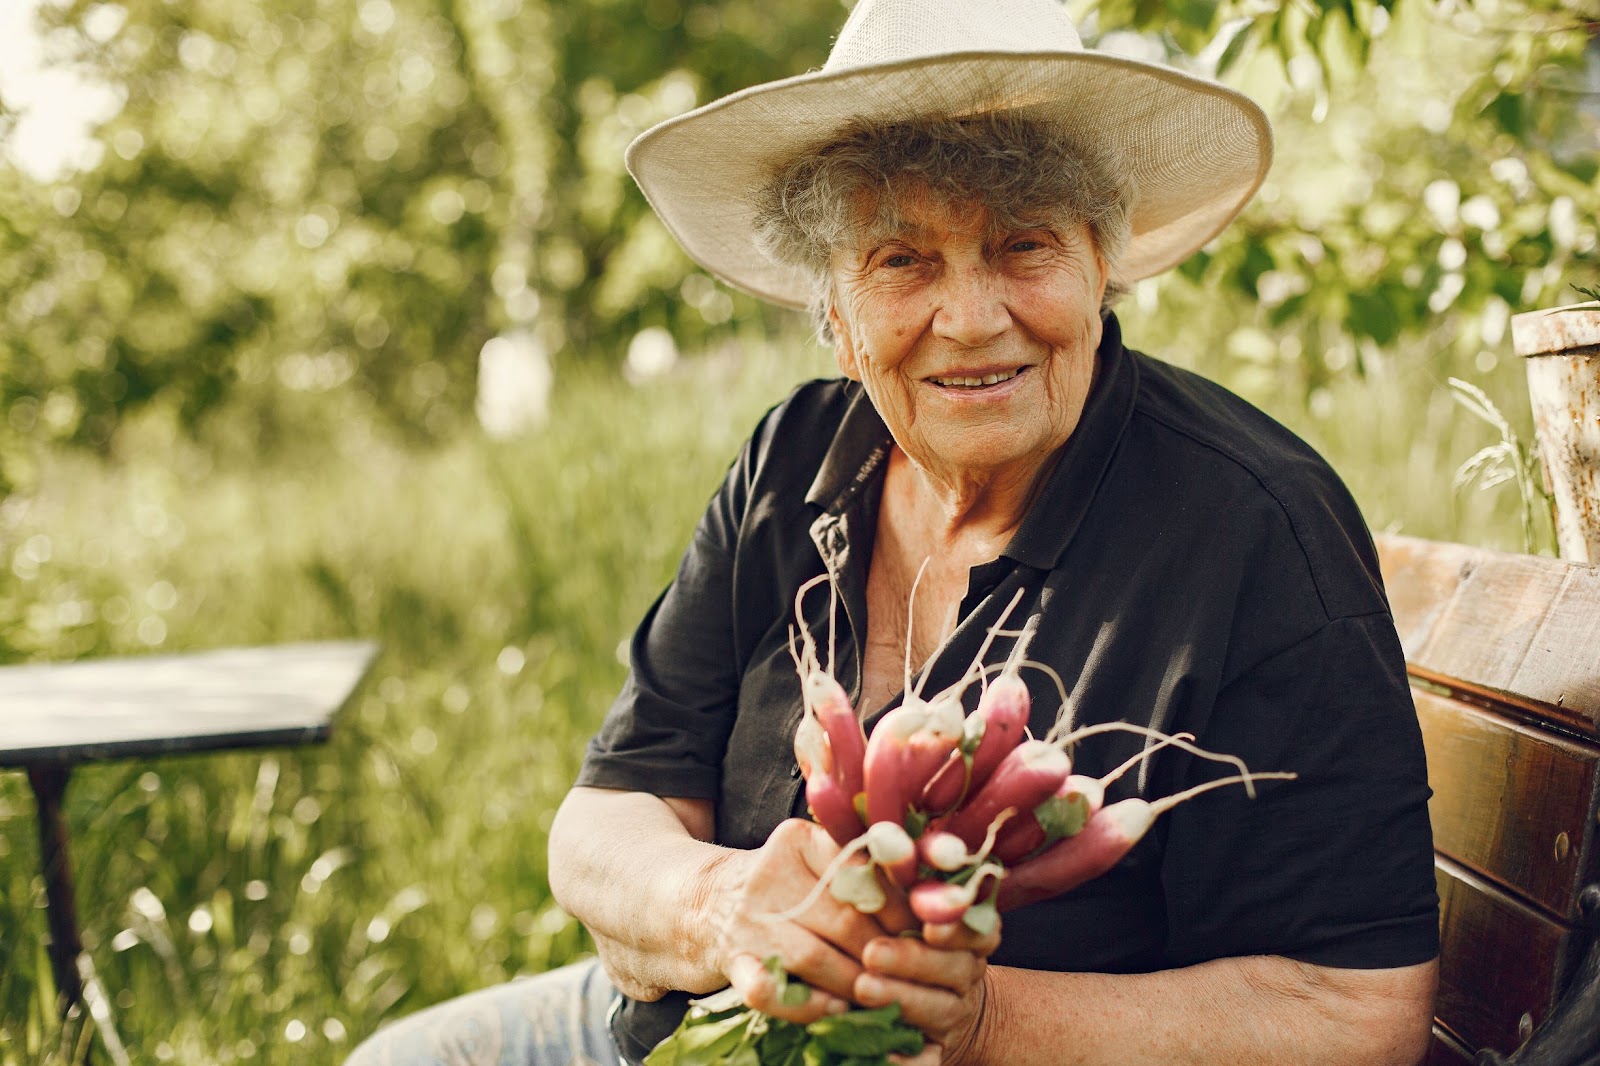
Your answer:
<point x="1196" y="568"/>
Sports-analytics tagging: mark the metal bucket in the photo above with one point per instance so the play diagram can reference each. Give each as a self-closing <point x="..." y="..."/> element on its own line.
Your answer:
<point x="1562" y="349"/>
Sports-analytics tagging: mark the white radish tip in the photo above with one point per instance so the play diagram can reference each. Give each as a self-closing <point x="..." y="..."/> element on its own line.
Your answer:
<point x="947" y="852"/>
<point x="889" y="843"/>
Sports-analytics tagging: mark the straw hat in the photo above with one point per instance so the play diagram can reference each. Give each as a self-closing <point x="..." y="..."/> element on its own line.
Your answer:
<point x="1197" y="151"/>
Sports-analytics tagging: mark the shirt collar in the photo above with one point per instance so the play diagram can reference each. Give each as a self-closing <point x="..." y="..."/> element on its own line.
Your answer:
<point x="862" y="443"/>
<point x="856" y="454"/>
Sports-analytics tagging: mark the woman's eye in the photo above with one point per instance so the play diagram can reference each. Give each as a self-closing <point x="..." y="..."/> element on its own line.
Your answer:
<point x="1026" y="246"/>
<point x="901" y="260"/>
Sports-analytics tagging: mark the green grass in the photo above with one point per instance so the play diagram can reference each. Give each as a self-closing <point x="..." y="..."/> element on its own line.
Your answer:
<point x="275" y="907"/>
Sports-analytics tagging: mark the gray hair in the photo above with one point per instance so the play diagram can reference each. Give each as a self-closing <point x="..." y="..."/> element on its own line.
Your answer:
<point x="1023" y="171"/>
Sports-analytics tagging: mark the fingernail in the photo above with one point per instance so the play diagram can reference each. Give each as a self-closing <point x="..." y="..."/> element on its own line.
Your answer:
<point x="838" y="1006"/>
<point x="869" y="988"/>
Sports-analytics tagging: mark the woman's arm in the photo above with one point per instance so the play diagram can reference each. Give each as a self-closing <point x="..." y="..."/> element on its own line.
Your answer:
<point x="1228" y="1012"/>
<point x="668" y="910"/>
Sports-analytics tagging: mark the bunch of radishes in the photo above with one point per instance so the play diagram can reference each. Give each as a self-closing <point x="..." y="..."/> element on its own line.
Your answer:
<point x="965" y="813"/>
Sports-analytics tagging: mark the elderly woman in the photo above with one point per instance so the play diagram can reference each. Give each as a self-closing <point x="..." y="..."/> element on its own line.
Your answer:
<point x="958" y="196"/>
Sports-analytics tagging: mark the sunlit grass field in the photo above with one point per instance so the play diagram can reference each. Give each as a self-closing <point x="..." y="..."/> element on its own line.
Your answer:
<point x="277" y="906"/>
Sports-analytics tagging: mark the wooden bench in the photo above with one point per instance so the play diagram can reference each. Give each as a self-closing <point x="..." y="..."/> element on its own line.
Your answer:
<point x="1503" y="652"/>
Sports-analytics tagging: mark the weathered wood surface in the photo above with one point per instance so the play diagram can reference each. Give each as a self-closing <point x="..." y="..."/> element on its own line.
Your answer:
<point x="1562" y="350"/>
<point x="1499" y="959"/>
<point x="1514" y="631"/>
<point x="230" y="698"/>
<point x="1511" y="801"/>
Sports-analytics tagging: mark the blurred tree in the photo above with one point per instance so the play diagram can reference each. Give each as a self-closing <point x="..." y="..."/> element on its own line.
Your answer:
<point x="1410" y="196"/>
<point x="352" y="196"/>
<point x="310" y="197"/>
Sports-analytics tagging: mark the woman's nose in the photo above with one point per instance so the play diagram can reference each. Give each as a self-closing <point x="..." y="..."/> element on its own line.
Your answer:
<point x="972" y="307"/>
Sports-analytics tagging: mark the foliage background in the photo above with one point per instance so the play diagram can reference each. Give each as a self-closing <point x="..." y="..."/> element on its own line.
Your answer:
<point x="238" y="361"/>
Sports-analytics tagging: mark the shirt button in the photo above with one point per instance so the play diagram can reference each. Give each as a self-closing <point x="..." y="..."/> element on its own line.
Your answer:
<point x="794" y="771"/>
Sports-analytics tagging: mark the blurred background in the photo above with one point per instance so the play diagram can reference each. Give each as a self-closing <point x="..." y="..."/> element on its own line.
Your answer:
<point x="338" y="318"/>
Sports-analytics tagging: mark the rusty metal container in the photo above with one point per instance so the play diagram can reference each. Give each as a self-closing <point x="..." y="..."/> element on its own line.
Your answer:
<point x="1562" y="349"/>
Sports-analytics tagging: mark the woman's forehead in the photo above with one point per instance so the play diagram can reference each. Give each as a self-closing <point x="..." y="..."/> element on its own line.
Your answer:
<point x="915" y="213"/>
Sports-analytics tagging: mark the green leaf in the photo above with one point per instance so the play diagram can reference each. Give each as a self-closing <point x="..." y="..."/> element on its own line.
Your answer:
<point x="915" y="823"/>
<point x="858" y="886"/>
<point x="1238" y="44"/>
<point x="866" y="1032"/>
<point x="1194" y="268"/>
<point x="1063" y="816"/>
<point x="743" y="1055"/>
<point x="981" y="918"/>
<point x="1373" y="316"/>
<point x="1507" y="112"/>
<point x="783" y="1044"/>
<point x="702" y="1043"/>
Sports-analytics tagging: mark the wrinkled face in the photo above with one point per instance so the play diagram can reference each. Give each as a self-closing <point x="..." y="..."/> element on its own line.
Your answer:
<point x="976" y="347"/>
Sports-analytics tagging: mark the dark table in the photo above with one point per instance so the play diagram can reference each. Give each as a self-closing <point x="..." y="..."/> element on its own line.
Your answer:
<point x="54" y="716"/>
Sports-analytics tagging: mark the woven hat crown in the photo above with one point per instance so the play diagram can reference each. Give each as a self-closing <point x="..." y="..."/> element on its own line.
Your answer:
<point x="890" y="31"/>
<point x="1194" y="151"/>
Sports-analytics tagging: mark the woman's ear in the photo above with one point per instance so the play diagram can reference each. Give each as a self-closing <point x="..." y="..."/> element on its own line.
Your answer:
<point x="844" y="351"/>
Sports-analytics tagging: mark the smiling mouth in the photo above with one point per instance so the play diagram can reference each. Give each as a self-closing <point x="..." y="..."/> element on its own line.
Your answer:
<point x="960" y="382"/>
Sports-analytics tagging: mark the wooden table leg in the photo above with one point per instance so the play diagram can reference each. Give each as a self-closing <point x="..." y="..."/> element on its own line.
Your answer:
<point x="49" y="781"/>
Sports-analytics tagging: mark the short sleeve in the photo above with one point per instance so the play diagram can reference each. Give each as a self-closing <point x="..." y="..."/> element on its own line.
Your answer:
<point x="668" y="728"/>
<point x="1334" y="868"/>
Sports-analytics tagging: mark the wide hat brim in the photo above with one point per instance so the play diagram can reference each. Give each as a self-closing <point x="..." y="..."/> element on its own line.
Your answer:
<point x="1196" y="151"/>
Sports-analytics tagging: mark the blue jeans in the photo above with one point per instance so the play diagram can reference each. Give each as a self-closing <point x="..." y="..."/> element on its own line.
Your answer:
<point x="555" y="1019"/>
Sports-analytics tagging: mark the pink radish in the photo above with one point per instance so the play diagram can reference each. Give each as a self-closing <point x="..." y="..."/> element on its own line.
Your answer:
<point x="811" y="750"/>
<point x="1024" y="779"/>
<point x="826" y="699"/>
<point x="1109" y="836"/>
<point x="906" y="748"/>
<point x="831" y="808"/>
<point x="941" y="902"/>
<point x="826" y="702"/>
<point x="892" y="848"/>
<point x="1066" y="812"/>
<point x="989" y="734"/>
<point x="948" y="852"/>
<point x="910" y="743"/>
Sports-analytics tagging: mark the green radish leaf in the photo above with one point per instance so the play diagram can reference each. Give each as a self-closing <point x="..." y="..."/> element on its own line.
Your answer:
<point x="859" y="802"/>
<point x="981" y="918"/>
<point x="791" y="991"/>
<point x="743" y="1055"/>
<point x="783" y="1044"/>
<point x="915" y="823"/>
<point x="866" y="1033"/>
<point x="1061" y="816"/>
<point x="858" y="886"/>
<point x="705" y="1043"/>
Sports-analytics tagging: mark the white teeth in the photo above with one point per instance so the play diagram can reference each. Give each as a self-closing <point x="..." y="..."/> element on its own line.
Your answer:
<point x="973" y="383"/>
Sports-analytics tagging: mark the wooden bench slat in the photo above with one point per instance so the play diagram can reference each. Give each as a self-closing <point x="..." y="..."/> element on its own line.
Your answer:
<point x="1504" y="793"/>
<point x="1499" y="959"/>
<point x="1525" y="627"/>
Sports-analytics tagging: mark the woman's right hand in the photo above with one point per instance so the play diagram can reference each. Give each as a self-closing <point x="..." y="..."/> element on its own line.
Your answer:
<point x="822" y="945"/>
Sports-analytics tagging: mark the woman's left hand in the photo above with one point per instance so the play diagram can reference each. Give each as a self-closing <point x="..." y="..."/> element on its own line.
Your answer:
<point x="938" y="982"/>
